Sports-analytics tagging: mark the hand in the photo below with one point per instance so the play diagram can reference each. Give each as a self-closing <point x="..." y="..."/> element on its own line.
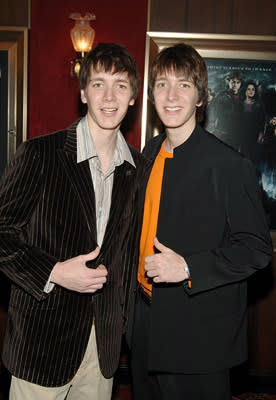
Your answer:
<point x="166" y="266"/>
<point x="73" y="274"/>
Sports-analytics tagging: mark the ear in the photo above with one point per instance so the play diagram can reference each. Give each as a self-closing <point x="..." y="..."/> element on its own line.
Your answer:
<point x="131" y="102"/>
<point x="83" y="96"/>
<point x="199" y="104"/>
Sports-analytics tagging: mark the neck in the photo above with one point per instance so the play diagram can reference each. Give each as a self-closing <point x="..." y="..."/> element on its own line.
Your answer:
<point x="177" y="136"/>
<point x="105" y="142"/>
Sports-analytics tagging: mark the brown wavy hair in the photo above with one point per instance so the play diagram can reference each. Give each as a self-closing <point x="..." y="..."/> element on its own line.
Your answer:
<point x="110" y="57"/>
<point x="182" y="58"/>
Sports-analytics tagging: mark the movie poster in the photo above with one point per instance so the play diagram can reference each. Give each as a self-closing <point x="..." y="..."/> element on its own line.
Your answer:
<point x="241" y="111"/>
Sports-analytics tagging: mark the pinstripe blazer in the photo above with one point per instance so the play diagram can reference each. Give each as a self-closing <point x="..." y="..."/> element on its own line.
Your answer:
<point x="47" y="214"/>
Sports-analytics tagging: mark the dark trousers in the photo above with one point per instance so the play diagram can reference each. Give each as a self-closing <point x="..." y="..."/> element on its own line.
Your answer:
<point x="153" y="385"/>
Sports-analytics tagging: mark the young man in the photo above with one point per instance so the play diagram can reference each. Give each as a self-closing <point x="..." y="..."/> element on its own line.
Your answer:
<point x="68" y="202"/>
<point x="227" y="111"/>
<point x="204" y="233"/>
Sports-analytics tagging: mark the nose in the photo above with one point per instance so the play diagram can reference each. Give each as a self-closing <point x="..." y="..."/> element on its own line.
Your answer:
<point x="108" y="94"/>
<point x="172" y="93"/>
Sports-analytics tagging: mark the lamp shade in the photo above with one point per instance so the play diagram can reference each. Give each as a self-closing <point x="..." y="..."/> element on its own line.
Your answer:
<point x="82" y="34"/>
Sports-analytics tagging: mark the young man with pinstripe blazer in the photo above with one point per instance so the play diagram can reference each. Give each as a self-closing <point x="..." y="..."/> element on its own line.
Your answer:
<point x="68" y="202"/>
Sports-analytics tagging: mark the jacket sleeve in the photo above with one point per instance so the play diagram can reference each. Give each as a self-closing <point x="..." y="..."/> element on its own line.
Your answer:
<point x="20" y="189"/>
<point x="248" y="246"/>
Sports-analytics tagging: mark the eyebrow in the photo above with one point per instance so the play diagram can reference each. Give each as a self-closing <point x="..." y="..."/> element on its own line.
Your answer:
<point x="103" y="80"/>
<point x="122" y="80"/>
<point x="180" y="78"/>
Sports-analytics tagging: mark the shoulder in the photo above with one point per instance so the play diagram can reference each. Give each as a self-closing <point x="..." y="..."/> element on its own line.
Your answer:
<point x="221" y="154"/>
<point x="215" y="146"/>
<point x="153" y="145"/>
<point x="53" y="137"/>
<point x="231" y="168"/>
<point x="138" y="157"/>
<point x="49" y="141"/>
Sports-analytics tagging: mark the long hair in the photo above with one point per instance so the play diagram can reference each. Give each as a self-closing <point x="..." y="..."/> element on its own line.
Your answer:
<point x="110" y="57"/>
<point x="182" y="58"/>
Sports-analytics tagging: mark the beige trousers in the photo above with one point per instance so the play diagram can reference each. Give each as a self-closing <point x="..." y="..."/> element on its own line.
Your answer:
<point x="87" y="384"/>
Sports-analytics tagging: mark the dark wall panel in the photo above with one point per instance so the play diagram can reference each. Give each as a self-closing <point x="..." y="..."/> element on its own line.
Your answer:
<point x="15" y="13"/>
<point x="168" y="15"/>
<point x="253" y="17"/>
<point x="210" y="16"/>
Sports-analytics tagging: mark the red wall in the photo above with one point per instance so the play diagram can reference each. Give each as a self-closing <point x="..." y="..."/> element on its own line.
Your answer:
<point x="53" y="94"/>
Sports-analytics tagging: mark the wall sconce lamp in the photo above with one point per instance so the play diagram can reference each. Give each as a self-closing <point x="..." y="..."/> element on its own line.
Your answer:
<point x="82" y="36"/>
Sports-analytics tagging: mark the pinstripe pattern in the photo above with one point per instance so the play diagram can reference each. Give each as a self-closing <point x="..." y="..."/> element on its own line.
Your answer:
<point x="47" y="214"/>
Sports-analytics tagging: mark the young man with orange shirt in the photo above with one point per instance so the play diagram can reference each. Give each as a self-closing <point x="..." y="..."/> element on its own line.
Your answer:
<point x="204" y="233"/>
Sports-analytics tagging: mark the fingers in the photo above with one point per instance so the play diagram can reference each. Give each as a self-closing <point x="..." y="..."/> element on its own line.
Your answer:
<point x="100" y="271"/>
<point x="91" y="282"/>
<point x="160" y="246"/>
<point x="92" y="288"/>
<point x="92" y="255"/>
<point x="102" y="268"/>
<point x="157" y="276"/>
<point x="100" y="280"/>
<point x="96" y="284"/>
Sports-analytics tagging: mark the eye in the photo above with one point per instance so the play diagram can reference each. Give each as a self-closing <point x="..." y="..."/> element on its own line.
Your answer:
<point x="122" y="86"/>
<point x="97" y="85"/>
<point x="184" y="85"/>
<point x="160" y="85"/>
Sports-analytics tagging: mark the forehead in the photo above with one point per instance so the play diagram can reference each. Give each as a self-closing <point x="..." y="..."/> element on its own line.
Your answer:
<point x="237" y="80"/>
<point x="111" y="74"/>
<point x="174" y="73"/>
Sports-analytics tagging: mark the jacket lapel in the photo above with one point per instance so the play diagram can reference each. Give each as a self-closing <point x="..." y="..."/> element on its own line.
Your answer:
<point x="123" y="187"/>
<point x="80" y="177"/>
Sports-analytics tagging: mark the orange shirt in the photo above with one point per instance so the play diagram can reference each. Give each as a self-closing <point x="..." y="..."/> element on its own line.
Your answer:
<point x="151" y="211"/>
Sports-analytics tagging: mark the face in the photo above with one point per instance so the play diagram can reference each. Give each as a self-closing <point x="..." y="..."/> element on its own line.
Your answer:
<point x="234" y="85"/>
<point x="273" y="121"/>
<point x="176" y="100"/>
<point x="250" y="91"/>
<point x="107" y="97"/>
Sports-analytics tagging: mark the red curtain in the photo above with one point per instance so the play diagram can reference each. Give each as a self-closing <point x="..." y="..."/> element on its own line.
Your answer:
<point x="53" y="95"/>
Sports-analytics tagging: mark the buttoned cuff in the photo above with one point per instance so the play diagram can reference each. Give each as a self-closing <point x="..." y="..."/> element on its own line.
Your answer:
<point x="49" y="285"/>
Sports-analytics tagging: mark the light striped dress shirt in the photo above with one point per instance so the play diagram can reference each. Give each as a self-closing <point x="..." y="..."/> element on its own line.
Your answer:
<point x="102" y="183"/>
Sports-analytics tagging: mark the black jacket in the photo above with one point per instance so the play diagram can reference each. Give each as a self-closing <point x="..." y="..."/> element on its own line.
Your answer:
<point x="211" y="213"/>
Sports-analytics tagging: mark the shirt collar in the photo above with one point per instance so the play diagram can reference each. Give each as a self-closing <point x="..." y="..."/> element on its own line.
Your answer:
<point x="86" y="148"/>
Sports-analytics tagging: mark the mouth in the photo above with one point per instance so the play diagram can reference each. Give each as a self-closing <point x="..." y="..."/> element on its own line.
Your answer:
<point x="109" y="110"/>
<point x="172" y="109"/>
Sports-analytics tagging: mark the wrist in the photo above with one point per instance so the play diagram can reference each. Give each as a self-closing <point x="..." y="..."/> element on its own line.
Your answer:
<point x="53" y="273"/>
